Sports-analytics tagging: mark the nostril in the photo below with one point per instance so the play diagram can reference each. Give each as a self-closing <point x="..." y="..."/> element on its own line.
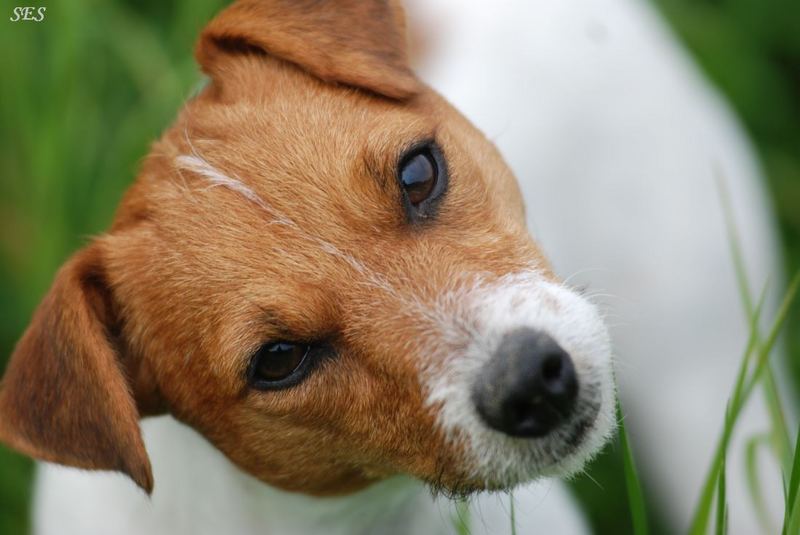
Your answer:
<point x="558" y="381"/>
<point x="551" y="369"/>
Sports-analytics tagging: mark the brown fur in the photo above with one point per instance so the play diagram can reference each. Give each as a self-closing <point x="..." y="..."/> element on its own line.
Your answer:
<point x="341" y="41"/>
<point x="65" y="397"/>
<point x="164" y="311"/>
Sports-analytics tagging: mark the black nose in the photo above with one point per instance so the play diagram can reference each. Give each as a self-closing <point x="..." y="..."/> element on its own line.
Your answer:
<point x="529" y="387"/>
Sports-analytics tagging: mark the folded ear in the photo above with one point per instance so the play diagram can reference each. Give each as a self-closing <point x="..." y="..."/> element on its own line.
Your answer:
<point x="353" y="42"/>
<point x="65" y="397"/>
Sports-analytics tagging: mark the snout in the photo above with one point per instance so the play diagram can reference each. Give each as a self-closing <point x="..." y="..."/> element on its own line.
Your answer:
<point x="528" y="387"/>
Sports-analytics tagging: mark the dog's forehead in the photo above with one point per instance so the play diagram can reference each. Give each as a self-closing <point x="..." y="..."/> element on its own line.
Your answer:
<point x="272" y="96"/>
<point x="297" y="142"/>
<point x="291" y="128"/>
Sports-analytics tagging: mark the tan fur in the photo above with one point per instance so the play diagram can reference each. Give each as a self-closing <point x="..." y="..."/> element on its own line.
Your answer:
<point x="167" y="307"/>
<point x="65" y="397"/>
<point x="341" y="41"/>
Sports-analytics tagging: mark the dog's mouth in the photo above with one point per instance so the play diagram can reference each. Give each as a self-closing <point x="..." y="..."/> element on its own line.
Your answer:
<point x="499" y="463"/>
<point x="465" y="485"/>
<point x="572" y="434"/>
<point x="573" y="437"/>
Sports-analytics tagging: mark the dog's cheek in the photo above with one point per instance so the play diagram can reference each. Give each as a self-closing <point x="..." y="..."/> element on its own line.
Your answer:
<point x="388" y="425"/>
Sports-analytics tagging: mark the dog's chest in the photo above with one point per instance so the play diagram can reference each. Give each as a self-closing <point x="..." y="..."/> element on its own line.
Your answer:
<point x="199" y="492"/>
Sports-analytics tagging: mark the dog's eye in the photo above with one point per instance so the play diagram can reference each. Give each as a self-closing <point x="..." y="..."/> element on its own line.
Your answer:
<point x="422" y="174"/>
<point x="419" y="174"/>
<point x="278" y="364"/>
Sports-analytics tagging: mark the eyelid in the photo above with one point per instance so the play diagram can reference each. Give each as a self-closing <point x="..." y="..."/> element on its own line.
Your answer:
<point x="410" y="149"/>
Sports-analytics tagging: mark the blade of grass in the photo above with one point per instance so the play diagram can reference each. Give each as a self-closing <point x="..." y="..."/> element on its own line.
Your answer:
<point x="781" y="443"/>
<point x="702" y="515"/>
<point x="772" y="337"/>
<point x="791" y="523"/>
<point x="632" y="483"/>
<point x="734" y="243"/>
<point x="753" y="484"/>
<point x="780" y="439"/>
<point x="794" y="523"/>
<point x="461" y="518"/>
<point x="512" y="510"/>
<point x="750" y="350"/>
<point x="722" y="504"/>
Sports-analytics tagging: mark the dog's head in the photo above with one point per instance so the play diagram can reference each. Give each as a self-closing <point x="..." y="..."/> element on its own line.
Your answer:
<point x="324" y="269"/>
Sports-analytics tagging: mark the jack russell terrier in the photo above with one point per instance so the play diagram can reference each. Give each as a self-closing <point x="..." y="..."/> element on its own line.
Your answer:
<point x="324" y="271"/>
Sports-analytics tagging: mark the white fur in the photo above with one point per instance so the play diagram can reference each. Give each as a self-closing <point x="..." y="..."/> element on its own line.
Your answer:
<point x="199" y="492"/>
<point x="199" y="165"/>
<point x="480" y="316"/>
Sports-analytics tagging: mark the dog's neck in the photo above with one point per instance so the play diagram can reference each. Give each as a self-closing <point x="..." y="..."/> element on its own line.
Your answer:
<point x="199" y="491"/>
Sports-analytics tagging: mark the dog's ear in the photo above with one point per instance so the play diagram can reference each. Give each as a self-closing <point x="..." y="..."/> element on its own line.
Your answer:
<point x="65" y="397"/>
<point x="359" y="43"/>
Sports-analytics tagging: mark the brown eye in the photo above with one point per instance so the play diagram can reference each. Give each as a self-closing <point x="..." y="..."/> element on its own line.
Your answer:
<point x="419" y="174"/>
<point x="276" y="362"/>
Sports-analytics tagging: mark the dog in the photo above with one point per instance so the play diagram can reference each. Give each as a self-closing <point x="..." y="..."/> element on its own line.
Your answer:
<point x="322" y="291"/>
<point x="618" y="142"/>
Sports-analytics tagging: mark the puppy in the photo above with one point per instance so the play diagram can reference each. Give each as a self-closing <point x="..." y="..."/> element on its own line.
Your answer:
<point x="324" y="270"/>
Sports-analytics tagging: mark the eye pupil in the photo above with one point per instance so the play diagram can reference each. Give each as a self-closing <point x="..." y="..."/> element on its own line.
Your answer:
<point x="418" y="176"/>
<point x="277" y="361"/>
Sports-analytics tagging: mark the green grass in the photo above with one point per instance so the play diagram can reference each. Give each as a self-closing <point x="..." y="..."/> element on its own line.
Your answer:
<point x="461" y="519"/>
<point x="722" y="503"/>
<point x="754" y="370"/>
<point x="750" y="49"/>
<point x="512" y="513"/>
<point x="636" y="498"/>
<point x="752" y="447"/>
<point x="791" y="518"/>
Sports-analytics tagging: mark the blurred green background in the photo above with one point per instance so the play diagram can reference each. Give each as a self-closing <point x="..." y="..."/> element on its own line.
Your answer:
<point x="83" y="93"/>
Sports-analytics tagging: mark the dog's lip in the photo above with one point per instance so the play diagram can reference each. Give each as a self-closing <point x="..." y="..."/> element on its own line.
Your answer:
<point x="582" y="425"/>
<point x="578" y="428"/>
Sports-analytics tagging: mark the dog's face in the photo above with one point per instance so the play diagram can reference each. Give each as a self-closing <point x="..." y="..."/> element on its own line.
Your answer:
<point x="325" y="270"/>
